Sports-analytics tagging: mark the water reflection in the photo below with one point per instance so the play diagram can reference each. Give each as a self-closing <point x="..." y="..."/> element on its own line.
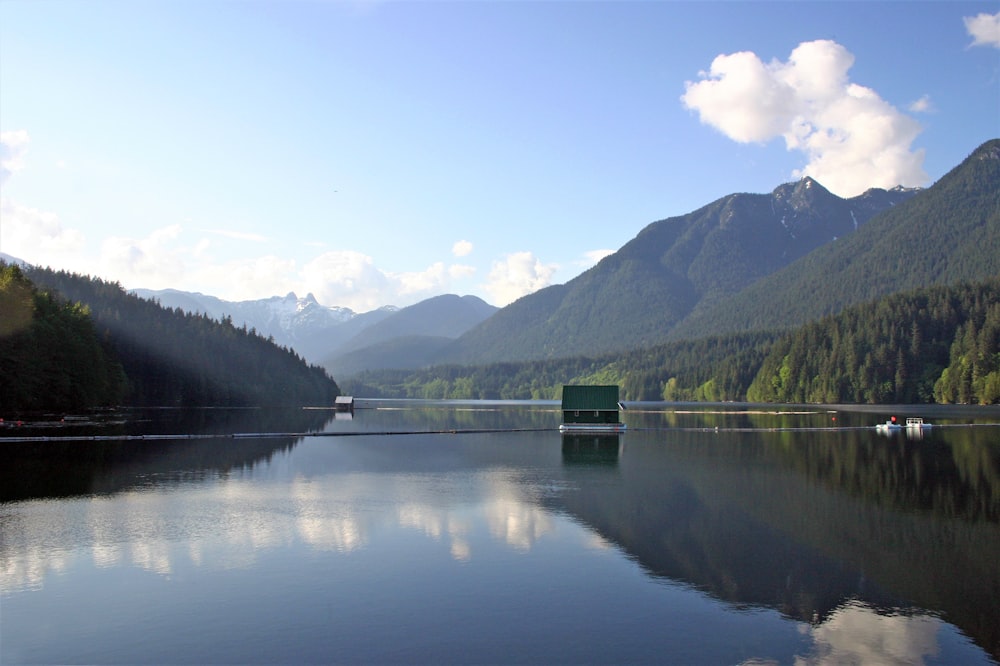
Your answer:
<point x="865" y="549"/>
<point x="231" y="523"/>
<point x="581" y="449"/>
<point x="856" y="634"/>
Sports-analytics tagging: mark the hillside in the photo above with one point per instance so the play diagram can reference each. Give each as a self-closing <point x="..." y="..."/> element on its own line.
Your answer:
<point x="940" y="344"/>
<point x="410" y="337"/>
<point x="50" y="355"/>
<point x="634" y="297"/>
<point x="947" y="233"/>
<point x="174" y="358"/>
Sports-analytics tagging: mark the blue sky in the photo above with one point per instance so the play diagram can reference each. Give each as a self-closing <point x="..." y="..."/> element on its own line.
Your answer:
<point x="377" y="153"/>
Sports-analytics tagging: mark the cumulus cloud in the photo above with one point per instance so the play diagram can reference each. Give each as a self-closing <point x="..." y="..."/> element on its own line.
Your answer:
<point x="462" y="248"/>
<point x="13" y="146"/>
<point x="852" y="138"/>
<point x="517" y="275"/>
<point x="459" y="271"/>
<point x="984" y="29"/>
<point x="38" y="237"/>
<point x="351" y="279"/>
<point x="154" y="262"/>
<point x="31" y="234"/>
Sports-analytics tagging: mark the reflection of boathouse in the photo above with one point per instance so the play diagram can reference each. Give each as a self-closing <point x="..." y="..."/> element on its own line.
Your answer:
<point x="591" y="449"/>
<point x="591" y="409"/>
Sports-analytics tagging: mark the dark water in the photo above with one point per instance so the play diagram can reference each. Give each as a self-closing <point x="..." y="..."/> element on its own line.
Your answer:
<point x="718" y="535"/>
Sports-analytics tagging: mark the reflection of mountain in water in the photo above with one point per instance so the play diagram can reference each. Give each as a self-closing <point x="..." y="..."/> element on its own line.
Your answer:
<point x="803" y="523"/>
<point x="66" y="468"/>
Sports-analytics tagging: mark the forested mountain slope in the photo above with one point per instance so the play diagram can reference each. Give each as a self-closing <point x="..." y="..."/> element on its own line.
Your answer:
<point x="939" y="344"/>
<point x="174" y="358"/>
<point x="50" y="354"/>
<point x="634" y="297"/>
<point x="944" y="234"/>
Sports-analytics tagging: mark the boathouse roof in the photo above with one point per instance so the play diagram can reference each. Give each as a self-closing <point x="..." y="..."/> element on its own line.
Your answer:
<point x="590" y="398"/>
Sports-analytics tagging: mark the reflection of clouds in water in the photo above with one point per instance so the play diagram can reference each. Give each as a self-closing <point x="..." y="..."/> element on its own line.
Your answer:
<point x="856" y="634"/>
<point x="229" y="523"/>
<point x="517" y="524"/>
<point x="323" y="533"/>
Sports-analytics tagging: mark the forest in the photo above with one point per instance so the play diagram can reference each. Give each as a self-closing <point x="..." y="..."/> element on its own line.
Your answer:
<point x="74" y="342"/>
<point x="939" y="344"/>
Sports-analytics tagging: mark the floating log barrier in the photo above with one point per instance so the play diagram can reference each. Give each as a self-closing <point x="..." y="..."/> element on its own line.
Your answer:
<point x="449" y="431"/>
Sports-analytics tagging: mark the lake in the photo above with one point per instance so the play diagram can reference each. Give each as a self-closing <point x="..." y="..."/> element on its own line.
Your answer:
<point x="469" y="532"/>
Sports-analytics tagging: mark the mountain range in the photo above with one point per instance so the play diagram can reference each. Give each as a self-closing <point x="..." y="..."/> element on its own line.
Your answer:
<point x="752" y="262"/>
<point x="743" y="262"/>
<point x="323" y="334"/>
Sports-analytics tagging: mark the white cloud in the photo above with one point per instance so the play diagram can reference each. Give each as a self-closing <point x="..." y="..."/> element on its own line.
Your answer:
<point x="459" y="271"/>
<point x="346" y="278"/>
<point x="984" y="29"/>
<point x="38" y="237"/>
<point x="13" y="146"/>
<point x="592" y="257"/>
<point x="155" y="262"/>
<point x="246" y="279"/>
<point x="922" y="105"/>
<point x="517" y="275"/>
<point x="30" y="234"/>
<point x="852" y="138"/>
<point x="351" y="279"/>
<point x="462" y="248"/>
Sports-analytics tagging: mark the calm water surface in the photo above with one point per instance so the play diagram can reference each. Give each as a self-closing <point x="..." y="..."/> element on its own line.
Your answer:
<point x="705" y="534"/>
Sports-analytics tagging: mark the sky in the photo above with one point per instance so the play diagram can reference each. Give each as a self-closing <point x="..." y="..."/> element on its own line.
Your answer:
<point x="378" y="153"/>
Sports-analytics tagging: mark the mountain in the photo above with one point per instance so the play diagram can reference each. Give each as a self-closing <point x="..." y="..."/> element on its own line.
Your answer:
<point x="303" y="324"/>
<point x="411" y="337"/>
<point x="945" y="234"/>
<point x="322" y="334"/>
<point x="671" y="269"/>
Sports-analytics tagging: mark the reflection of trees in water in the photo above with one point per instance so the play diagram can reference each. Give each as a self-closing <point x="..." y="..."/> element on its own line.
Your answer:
<point x="456" y="416"/>
<point x="802" y="522"/>
<point x="953" y="473"/>
<point x="67" y="468"/>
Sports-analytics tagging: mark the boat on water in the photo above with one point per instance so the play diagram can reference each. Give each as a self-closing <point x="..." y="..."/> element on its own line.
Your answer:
<point x="888" y="426"/>
<point x="913" y="424"/>
<point x="916" y="423"/>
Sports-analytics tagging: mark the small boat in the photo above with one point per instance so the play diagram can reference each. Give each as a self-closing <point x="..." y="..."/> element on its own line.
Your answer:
<point x="889" y="426"/>
<point x="916" y="423"/>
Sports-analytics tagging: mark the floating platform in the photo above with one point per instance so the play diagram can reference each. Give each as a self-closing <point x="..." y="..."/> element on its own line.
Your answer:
<point x="596" y="428"/>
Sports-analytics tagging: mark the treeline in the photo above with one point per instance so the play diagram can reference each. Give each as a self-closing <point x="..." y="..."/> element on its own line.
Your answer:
<point x="169" y="357"/>
<point x="939" y="344"/>
<point x="711" y="369"/>
<point x="50" y="354"/>
<point x="933" y="345"/>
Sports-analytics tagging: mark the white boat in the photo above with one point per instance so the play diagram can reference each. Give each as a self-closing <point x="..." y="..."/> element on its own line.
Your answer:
<point x="888" y="426"/>
<point x="914" y="424"/>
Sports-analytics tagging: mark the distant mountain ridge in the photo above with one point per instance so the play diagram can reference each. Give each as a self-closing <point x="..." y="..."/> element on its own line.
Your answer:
<point x="671" y="269"/>
<point x="322" y="333"/>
